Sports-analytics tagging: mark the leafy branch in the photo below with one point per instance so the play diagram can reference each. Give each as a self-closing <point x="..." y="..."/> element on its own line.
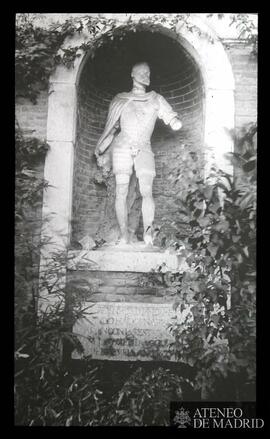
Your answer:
<point x="39" y="49"/>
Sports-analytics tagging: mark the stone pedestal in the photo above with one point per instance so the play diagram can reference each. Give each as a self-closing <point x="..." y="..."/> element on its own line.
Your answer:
<point x="128" y="321"/>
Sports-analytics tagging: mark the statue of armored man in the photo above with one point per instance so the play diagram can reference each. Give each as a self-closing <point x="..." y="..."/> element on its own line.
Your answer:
<point x="126" y="139"/>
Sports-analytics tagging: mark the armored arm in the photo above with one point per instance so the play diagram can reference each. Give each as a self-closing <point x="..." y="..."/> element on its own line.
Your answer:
<point x="168" y="115"/>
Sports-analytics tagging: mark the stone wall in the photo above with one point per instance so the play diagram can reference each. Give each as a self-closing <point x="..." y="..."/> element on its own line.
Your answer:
<point x="244" y="67"/>
<point x="118" y="286"/>
<point x="32" y="118"/>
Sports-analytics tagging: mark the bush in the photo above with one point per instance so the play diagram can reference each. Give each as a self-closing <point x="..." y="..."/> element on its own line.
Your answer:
<point x="144" y="399"/>
<point x="218" y="338"/>
<point x="46" y="393"/>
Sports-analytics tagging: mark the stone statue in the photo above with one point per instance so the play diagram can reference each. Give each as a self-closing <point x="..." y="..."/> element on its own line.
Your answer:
<point x="126" y="142"/>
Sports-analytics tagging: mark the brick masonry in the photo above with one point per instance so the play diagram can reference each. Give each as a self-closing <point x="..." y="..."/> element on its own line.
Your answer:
<point x="33" y="118"/>
<point x="96" y="286"/>
<point x="244" y="67"/>
<point x="88" y="197"/>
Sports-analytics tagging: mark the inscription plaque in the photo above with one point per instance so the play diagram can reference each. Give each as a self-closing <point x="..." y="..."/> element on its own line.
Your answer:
<point x="128" y="331"/>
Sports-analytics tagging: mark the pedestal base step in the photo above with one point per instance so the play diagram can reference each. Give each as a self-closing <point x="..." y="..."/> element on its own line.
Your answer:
<point x="120" y="260"/>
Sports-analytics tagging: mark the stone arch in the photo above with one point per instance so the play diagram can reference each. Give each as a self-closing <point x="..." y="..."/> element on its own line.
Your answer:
<point x="61" y="122"/>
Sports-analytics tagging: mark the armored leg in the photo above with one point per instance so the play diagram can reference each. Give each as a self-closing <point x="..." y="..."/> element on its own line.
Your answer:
<point x="148" y="205"/>
<point x="122" y="184"/>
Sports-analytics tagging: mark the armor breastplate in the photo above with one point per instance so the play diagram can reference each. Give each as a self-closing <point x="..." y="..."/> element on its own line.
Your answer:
<point x="138" y="120"/>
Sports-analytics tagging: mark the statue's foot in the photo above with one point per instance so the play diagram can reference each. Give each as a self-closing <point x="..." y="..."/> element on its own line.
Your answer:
<point x="123" y="240"/>
<point x="148" y="238"/>
<point x="133" y="238"/>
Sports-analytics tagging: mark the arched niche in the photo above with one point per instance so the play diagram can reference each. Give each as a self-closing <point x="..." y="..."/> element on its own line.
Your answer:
<point x="218" y="118"/>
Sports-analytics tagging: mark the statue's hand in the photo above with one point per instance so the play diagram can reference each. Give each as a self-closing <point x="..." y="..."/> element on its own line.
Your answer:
<point x="103" y="161"/>
<point x="97" y="152"/>
<point x="103" y="146"/>
<point x="176" y="124"/>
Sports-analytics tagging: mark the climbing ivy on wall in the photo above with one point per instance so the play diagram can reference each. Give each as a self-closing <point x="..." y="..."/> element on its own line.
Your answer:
<point x="39" y="49"/>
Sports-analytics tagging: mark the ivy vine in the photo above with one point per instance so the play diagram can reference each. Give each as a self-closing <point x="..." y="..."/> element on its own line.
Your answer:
<point x="39" y="49"/>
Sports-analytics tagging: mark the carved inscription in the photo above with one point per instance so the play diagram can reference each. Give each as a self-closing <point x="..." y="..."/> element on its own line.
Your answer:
<point x="128" y="331"/>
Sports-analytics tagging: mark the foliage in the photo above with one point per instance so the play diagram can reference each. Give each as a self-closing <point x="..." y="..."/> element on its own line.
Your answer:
<point x="144" y="399"/>
<point x="45" y="393"/>
<point x="30" y="152"/>
<point x="29" y="186"/>
<point x="246" y="28"/>
<point x="58" y="396"/>
<point x="39" y="49"/>
<point x="34" y="57"/>
<point x="218" y="335"/>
